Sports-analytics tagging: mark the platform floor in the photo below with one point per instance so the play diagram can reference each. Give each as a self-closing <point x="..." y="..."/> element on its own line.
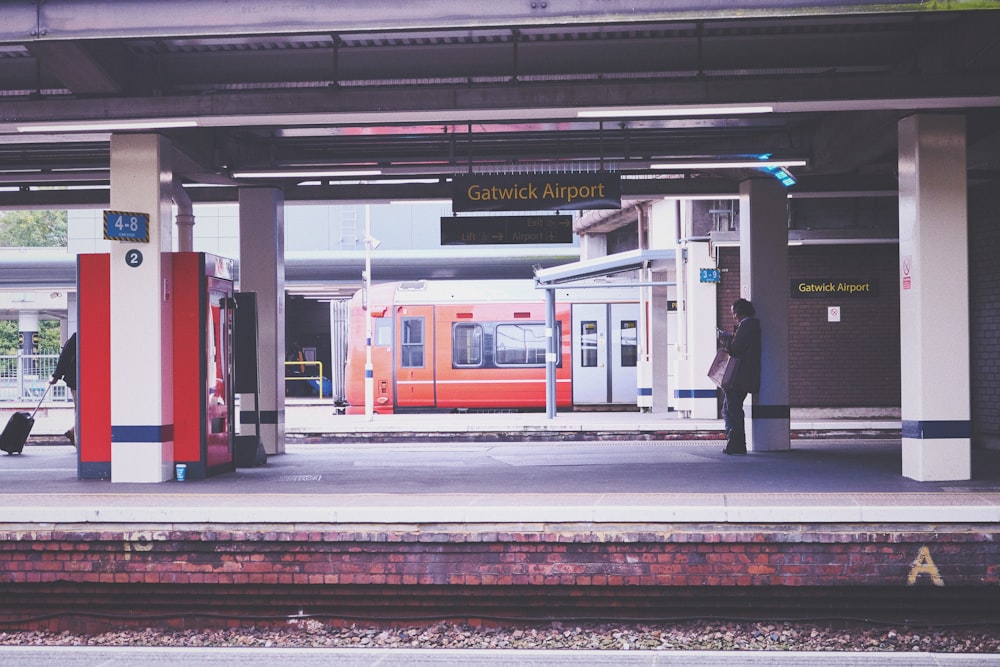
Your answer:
<point x="848" y="474"/>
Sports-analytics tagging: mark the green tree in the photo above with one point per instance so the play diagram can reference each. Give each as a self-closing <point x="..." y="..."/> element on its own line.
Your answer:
<point x="8" y="336"/>
<point x="24" y="229"/>
<point x="49" y="337"/>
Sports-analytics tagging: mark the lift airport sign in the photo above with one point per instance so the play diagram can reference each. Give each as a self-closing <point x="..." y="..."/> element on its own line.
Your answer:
<point x="536" y="192"/>
<point x="838" y="288"/>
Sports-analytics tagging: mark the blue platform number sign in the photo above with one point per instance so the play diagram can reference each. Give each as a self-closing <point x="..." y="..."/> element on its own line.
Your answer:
<point x="709" y="275"/>
<point x="125" y="226"/>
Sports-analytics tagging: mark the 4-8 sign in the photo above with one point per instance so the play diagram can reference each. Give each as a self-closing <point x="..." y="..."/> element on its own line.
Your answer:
<point x="125" y="226"/>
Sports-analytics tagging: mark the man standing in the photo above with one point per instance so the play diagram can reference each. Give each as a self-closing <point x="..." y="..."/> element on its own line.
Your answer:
<point x="742" y="344"/>
<point x="66" y="370"/>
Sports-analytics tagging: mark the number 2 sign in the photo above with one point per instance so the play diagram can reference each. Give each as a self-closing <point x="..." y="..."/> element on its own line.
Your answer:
<point x="125" y="226"/>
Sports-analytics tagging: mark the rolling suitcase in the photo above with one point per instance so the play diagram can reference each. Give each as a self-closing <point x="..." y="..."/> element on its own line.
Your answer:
<point x="18" y="428"/>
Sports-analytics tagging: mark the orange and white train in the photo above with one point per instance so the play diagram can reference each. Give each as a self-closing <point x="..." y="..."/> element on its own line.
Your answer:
<point x="481" y="345"/>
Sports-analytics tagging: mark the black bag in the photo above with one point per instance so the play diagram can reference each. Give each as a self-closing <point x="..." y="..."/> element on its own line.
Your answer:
<point x="15" y="434"/>
<point x="18" y="428"/>
<point x="723" y="369"/>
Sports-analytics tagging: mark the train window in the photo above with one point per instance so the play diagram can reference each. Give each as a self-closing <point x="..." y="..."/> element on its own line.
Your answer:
<point x="383" y="332"/>
<point x="412" y="342"/>
<point x="467" y="345"/>
<point x="520" y="345"/>
<point x="588" y="344"/>
<point x="630" y="343"/>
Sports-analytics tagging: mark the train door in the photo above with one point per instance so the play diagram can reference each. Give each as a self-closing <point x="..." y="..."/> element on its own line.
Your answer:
<point x="415" y="357"/>
<point x="590" y="353"/>
<point x="623" y="352"/>
<point x="605" y="353"/>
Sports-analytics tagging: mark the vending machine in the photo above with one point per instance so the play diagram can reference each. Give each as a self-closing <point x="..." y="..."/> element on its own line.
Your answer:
<point x="202" y="308"/>
<point x="203" y="314"/>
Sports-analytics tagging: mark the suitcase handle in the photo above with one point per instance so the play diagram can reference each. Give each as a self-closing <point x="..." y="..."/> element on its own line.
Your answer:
<point x="44" y="394"/>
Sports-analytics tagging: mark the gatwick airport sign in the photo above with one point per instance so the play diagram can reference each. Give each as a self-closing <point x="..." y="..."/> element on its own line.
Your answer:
<point x="536" y="192"/>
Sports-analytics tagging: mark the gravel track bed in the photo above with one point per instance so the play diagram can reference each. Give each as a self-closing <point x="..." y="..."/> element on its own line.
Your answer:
<point x="694" y="635"/>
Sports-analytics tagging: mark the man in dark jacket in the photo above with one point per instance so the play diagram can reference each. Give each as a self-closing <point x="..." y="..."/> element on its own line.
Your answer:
<point x="66" y="370"/>
<point x="742" y="344"/>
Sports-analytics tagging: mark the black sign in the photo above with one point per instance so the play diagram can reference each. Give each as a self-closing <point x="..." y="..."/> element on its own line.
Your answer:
<point x="837" y="288"/>
<point x="536" y="192"/>
<point x="507" y="229"/>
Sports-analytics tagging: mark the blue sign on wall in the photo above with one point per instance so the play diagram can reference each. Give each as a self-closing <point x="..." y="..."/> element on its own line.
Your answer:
<point x="709" y="275"/>
<point x="125" y="226"/>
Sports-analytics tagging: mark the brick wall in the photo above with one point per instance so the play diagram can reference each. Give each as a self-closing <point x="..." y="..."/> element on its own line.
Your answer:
<point x="852" y="363"/>
<point x="984" y="314"/>
<point x="672" y="555"/>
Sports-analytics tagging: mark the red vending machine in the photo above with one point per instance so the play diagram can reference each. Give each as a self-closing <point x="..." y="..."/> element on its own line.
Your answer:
<point x="202" y="363"/>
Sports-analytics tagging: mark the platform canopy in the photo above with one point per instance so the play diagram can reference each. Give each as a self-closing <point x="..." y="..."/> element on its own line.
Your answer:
<point x="602" y="266"/>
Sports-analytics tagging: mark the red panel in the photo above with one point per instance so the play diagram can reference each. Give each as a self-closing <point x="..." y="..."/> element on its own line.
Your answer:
<point x="188" y="345"/>
<point x="94" y="355"/>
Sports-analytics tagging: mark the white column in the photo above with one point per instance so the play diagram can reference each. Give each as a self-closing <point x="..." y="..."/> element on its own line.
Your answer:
<point x="141" y="344"/>
<point x="697" y="309"/>
<point x="262" y="270"/>
<point x="764" y="280"/>
<point x="27" y="327"/>
<point x="934" y="298"/>
<point x="663" y="226"/>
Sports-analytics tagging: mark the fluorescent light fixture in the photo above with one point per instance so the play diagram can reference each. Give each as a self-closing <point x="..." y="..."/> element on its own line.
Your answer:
<point x="645" y="112"/>
<point x="107" y="126"/>
<point x="728" y="164"/>
<point x="278" y="173"/>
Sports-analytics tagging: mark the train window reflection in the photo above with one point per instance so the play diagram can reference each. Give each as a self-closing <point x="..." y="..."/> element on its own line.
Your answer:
<point x="412" y="342"/>
<point x="467" y="345"/>
<point x="588" y="344"/>
<point x="629" y="344"/>
<point x="520" y="345"/>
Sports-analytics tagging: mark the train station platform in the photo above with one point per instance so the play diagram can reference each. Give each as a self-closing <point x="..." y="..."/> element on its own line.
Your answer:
<point x="350" y="522"/>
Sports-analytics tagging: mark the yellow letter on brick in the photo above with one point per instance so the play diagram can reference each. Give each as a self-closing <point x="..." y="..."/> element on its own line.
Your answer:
<point x="924" y="564"/>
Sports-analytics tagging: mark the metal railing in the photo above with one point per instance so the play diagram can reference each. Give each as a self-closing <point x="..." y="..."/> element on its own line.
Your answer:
<point x="318" y="378"/>
<point x="24" y="377"/>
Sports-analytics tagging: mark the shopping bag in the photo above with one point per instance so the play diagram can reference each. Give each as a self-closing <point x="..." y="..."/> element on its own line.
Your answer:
<point x="723" y="369"/>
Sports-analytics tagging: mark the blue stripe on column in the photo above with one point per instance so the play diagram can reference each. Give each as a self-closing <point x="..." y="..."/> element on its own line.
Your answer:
<point x="645" y="391"/>
<point x="936" y="429"/>
<point x="164" y="433"/>
<point x="267" y="417"/>
<point x="696" y="393"/>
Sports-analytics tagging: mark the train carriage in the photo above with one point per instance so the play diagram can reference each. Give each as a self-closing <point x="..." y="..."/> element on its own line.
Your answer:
<point x="481" y="345"/>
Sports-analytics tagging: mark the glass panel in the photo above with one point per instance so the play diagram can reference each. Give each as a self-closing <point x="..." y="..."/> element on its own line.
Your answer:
<point x="630" y="343"/>
<point x="588" y="343"/>
<point x="412" y="342"/>
<point x="467" y="345"/>
<point x="383" y="332"/>
<point x="520" y="345"/>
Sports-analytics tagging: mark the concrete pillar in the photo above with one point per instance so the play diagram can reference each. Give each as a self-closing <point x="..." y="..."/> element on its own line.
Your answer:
<point x="662" y="234"/>
<point x="695" y="393"/>
<point x="69" y="326"/>
<point x="141" y="345"/>
<point x="593" y="246"/>
<point x="644" y="363"/>
<point x="27" y="327"/>
<point x="262" y="270"/>
<point x="934" y="298"/>
<point x="764" y="280"/>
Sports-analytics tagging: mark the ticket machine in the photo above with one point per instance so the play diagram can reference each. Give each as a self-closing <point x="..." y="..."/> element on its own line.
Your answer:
<point x="202" y="362"/>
